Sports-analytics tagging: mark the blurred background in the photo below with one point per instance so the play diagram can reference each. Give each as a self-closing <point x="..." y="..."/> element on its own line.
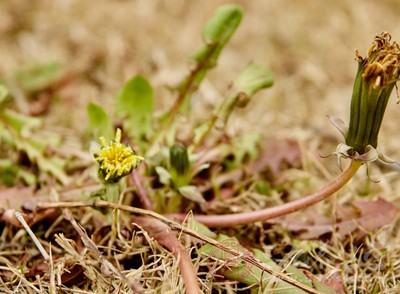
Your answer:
<point x="308" y="44"/>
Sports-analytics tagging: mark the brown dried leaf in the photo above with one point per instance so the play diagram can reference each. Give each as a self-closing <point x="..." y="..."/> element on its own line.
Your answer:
<point x="15" y="197"/>
<point x="8" y="216"/>
<point x="277" y="156"/>
<point x="370" y="215"/>
<point x="74" y="275"/>
<point x="38" y="270"/>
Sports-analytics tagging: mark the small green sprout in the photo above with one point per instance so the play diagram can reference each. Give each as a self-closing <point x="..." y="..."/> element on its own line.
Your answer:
<point x="116" y="160"/>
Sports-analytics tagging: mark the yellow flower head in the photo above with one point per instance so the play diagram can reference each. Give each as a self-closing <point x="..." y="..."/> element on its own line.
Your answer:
<point x="116" y="160"/>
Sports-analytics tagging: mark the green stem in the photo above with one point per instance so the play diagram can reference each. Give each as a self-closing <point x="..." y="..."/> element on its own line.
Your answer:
<point x="229" y="220"/>
<point x="190" y="84"/>
<point x="174" y="203"/>
<point x="112" y="193"/>
<point x="223" y="112"/>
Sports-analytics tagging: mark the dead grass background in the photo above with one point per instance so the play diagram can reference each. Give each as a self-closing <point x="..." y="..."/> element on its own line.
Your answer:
<point x="308" y="44"/>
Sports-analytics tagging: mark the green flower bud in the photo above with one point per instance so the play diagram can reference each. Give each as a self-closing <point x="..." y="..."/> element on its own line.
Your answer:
<point x="180" y="165"/>
<point x="116" y="160"/>
<point x="376" y="76"/>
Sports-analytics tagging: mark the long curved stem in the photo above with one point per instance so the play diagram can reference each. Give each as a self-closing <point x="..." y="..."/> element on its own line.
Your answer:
<point x="229" y="220"/>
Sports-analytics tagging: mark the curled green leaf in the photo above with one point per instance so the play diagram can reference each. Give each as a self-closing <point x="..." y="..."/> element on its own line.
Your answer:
<point x="217" y="33"/>
<point x="251" y="80"/>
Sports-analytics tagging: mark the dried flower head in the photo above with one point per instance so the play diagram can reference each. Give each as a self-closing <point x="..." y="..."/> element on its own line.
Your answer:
<point x="116" y="160"/>
<point x="376" y="77"/>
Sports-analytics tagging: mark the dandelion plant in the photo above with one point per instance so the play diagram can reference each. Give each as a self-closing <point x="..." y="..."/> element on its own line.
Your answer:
<point x="376" y="77"/>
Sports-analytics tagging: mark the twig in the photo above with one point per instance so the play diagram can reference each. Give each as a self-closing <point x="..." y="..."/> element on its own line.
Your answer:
<point x="39" y="246"/>
<point x="230" y="220"/>
<point x="91" y="246"/>
<point x="176" y="226"/>
<point x="163" y="235"/>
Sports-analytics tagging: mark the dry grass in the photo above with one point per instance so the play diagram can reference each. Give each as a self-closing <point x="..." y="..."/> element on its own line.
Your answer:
<point x="309" y="45"/>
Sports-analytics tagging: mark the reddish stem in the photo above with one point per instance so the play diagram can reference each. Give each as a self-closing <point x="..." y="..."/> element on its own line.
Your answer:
<point x="167" y="238"/>
<point x="142" y="191"/>
<point x="230" y="220"/>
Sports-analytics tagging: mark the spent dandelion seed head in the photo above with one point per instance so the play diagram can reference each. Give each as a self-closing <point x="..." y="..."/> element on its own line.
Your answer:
<point x="116" y="160"/>
<point x="376" y="77"/>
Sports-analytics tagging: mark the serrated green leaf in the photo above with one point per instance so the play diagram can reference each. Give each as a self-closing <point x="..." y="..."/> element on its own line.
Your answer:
<point x="135" y="105"/>
<point x="99" y="122"/>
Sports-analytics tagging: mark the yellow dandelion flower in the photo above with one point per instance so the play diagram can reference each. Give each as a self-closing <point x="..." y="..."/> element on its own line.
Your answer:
<point x="116" y="160"/>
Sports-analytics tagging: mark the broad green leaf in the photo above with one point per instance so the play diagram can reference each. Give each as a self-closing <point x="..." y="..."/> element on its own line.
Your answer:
<point x="235" y="267"/>
<point x="99" y="122"/>
<point x="38" y="76"/>
<point x="251" y="80"/>
<point x="200" y="228"/>
<point x="135" y="105"/>
<point x="281" y="287"/>
<point x="217" y="33"/>
<point x="239" y="270"/>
